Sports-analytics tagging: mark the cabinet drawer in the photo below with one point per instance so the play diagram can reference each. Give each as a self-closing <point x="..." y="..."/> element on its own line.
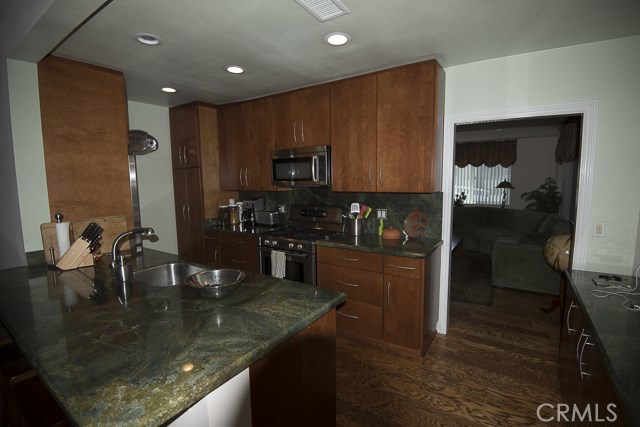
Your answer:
<point x="410" y="268"/>
<point x="360" y="317"/>
<point x="348" y="258"/>
<point x="363" y="286"/>
<point x="242" y="259"/>
<point x="238" y="240"/>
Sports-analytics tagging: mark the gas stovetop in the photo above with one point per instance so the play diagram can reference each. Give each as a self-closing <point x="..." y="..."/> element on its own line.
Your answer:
<point x="308" y="224"/>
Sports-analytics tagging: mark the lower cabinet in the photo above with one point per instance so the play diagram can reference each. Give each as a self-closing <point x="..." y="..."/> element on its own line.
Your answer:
<point x="189" y="209"/>
<point x="583" y="377"/>
<point x="212" y="247"/>
<point x="239" y="251"/>
<point x="295" y="385"/>
<point x="386" y="296"/>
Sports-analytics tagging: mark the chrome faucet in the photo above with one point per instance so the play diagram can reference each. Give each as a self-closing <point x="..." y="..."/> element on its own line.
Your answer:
<point x="121" y="270"/>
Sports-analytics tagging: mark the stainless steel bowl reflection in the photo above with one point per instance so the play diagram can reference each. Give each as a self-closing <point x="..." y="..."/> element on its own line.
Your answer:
<point x="216" y="283"/>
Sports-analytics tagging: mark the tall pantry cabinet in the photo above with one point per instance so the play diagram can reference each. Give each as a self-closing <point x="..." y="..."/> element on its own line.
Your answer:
<point x="196" y="185"/>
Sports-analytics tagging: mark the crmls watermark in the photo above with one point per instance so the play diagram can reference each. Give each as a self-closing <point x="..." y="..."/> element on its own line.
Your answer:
<point x="593" y="413"/>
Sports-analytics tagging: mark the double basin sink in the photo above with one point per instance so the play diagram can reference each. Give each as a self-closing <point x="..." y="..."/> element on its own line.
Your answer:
<point x="217" y="283"/>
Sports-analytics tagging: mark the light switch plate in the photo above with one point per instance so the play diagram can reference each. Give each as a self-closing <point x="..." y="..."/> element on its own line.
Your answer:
<point x="381" y="214"/>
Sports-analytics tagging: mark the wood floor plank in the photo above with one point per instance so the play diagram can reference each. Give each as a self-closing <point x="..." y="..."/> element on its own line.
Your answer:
<point x="495" y="366"/>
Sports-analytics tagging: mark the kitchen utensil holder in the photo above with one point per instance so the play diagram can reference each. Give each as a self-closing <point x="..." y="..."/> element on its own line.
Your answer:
<point x="355" y="226"/>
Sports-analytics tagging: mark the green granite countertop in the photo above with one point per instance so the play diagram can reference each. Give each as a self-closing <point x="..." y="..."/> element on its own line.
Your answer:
<point x="111" y="364"/>
<point x="410" y="248"/>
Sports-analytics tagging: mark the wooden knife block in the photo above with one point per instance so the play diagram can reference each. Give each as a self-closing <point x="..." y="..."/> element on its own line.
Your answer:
<point x="77" y="256"/>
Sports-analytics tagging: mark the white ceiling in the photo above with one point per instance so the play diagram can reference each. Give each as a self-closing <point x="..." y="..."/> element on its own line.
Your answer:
<point x="281" y="45"/>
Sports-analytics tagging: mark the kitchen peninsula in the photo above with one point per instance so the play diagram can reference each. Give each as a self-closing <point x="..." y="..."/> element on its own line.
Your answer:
<point x="145" y="356"/>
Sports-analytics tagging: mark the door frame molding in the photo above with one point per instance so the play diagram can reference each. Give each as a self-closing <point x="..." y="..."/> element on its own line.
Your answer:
<point x="589" y="112"/>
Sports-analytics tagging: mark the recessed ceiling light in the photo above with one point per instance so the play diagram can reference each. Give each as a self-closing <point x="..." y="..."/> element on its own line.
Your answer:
<point x="168" y="89"/>
<point x="234" y="69"/>
<point x="337" y="39"/>
<point x="148" y="39"/>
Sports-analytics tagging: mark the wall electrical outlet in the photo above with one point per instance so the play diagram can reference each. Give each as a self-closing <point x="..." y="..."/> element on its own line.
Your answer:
<point x="381" y="214"/>
<point x="598" y="229"/>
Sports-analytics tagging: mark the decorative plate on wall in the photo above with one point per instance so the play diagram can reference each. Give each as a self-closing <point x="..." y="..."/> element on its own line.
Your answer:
<point x="416" y="224"/>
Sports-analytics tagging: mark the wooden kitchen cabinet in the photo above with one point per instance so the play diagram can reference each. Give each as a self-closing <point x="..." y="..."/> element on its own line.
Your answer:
<point x="386" y="296"/>
<point x="353" y="134"/>
<point x="246" y="141"/>
<point x="409" y="119"/>
<point x="187" y="188"/>
<point x="302" y="118"/>
<point x="196" y="185"/>
<point x="404" y="299"/>
<point x="583" y="377"/>
<point x="239" y="251"/>
<point x="212" y="248"/>
<point x="359" y="275"/>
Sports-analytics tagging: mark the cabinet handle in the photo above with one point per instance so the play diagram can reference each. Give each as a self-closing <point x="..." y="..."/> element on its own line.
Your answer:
<point x="352" y="316"/>
<point x="295" y="140"/>
<point x="239" y="242"/>
<point x="302" y="131"/>
<point x="347" y="284"/>
<point x="239" y="261"/>
<point x="401" y="267"/>
<point x="584" y="344"/>
<point x="180" y="154"/>
<point x="246" y="179"/>
<point x="388" y="294"/>
<point x="240" y="175"/>
<point x="573" y="305"/>
<point x="380" y="174"/>
<point x="184" y="155"/>
<point x="189" y="213"/>
<point x="348" y="259"/>
<point x="370" y="183"/>
<point x="215" y="256"/>
<point x="184" y="217"/>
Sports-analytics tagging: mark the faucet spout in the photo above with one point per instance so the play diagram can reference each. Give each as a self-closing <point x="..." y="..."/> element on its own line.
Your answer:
<point x="121" y="270"/>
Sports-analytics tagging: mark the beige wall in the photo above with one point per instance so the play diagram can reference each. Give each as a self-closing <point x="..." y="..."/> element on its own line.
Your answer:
<point x="605" y="72"/>
<point x="155" y="181"/>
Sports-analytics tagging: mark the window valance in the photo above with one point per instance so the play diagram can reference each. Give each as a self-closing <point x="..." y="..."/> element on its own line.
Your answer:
<point x="491" y="153"/>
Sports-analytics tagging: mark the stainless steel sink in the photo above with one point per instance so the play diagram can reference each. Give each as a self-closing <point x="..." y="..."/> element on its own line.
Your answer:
<point x="166" y="274"/>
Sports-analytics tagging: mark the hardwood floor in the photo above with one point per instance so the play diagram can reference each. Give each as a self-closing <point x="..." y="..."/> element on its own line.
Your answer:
<point x="495" y="367"/>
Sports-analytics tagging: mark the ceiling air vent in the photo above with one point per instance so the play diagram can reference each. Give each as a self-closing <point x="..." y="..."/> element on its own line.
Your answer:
<point x="324" y="10"/>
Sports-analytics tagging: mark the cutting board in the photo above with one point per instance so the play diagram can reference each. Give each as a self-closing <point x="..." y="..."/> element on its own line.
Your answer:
<point x="113" y="226"/>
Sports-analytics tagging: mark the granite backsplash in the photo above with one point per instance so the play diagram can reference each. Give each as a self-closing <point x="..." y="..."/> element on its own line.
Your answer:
<point x="398" y="205"/>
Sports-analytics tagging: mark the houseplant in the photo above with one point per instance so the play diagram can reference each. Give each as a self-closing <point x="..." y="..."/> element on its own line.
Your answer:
<point x="546" y="198"/>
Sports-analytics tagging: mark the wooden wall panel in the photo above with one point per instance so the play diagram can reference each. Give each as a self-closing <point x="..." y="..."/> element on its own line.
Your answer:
<point x="85" y="133"/>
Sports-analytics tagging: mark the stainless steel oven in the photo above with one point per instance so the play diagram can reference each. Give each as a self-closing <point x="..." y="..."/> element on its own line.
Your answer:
<point x="299" y="266"/>
<point x="295" y="245"/>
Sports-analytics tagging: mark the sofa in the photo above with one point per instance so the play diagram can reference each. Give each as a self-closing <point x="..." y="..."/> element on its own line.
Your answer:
<point x="514" y="240"/>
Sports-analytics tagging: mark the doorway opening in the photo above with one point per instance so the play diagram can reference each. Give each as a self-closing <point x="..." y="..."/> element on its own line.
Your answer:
<point x="581" y="210"/>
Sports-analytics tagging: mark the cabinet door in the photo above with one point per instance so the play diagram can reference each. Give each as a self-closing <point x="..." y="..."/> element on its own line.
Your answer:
<point x="231" y="140"/>
<point x="185" y="148"/>
<point x="212" y="248"/>
<point x="404" y="301"/>
<point x="256" y="157"/>
<point x="406" y="128"/>
<point x="353" y="134"/>
<point x="302" y="118"/>
<point x="189" y="213"/>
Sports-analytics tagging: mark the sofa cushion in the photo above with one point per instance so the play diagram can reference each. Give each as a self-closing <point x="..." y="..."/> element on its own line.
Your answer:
<point x="469" y="216"/>
<point x="498" y="218"/>
<point x="527" y="221"/>
<point x="547" y="225"/>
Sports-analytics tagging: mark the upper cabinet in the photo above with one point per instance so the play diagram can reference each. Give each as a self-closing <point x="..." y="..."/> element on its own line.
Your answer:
<point x="302" y="118"/>
<point x="246" y="141"/>
<point x="385" y="124"/>
<point x="185" y="148"/>
<point x="409" y="121"/>
<point x="353" y="134"/>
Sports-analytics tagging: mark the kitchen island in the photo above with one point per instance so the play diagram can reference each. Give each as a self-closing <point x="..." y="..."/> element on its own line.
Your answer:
<point x="145" y="356"/>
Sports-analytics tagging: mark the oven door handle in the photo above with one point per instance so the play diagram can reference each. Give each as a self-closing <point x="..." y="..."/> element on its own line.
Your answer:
<point x="287" y="253"/>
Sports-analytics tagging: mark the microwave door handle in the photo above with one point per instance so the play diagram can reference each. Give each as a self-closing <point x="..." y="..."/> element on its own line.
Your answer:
<point x="314" y="168"/>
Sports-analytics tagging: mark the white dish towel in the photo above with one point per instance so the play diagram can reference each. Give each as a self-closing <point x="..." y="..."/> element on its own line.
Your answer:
<point x="278" y="263"/>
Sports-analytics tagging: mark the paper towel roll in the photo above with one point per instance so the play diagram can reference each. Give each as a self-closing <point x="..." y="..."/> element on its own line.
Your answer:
<point x="62" y="235"/>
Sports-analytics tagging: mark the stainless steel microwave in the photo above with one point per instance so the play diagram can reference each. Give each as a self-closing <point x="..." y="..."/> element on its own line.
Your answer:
<point x="301" y="167"/>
